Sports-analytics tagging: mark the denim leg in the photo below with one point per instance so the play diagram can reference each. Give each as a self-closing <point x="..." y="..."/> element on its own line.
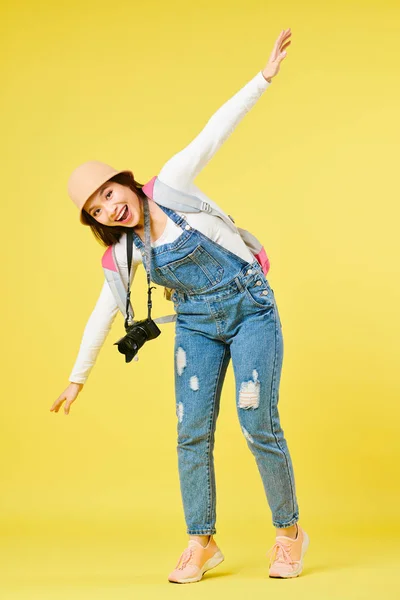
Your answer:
<point x="257" y="355"/>
<point x="200" y="368"/>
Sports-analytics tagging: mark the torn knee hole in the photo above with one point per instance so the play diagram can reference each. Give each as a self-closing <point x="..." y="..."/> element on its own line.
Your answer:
<point x="179" y="412"/>
<point x="180" y="360"/>
<point x="194" y="383"/>
<point x="249" y="393"/>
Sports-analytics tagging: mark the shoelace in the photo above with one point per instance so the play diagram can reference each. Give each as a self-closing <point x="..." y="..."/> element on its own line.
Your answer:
<point x="184" y="557"/>
<point x="282" y="553"/>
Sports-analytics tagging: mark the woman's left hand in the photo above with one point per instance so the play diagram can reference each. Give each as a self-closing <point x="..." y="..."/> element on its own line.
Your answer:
<point x="277" y="55"/>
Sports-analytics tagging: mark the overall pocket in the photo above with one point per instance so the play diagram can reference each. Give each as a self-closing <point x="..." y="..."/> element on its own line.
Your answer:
<point x="196" y="272"/>
<point x="260" y="292"/>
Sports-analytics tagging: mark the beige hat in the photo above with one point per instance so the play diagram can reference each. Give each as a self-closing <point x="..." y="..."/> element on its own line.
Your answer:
<point x="86" y="179"/>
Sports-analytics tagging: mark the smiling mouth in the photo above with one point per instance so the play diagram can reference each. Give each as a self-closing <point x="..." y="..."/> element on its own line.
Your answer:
<point x="125" y="216"/>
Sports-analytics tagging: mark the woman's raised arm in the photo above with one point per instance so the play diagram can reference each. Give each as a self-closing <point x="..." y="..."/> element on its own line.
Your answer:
<point x="180" y="170"/>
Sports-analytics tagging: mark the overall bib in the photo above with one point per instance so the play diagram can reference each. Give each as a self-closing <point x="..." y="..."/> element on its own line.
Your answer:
<point x="225" y="309"/>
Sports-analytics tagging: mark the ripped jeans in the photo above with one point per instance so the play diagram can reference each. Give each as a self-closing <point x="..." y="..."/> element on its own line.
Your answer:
<point x="239" y="321"/>
<point x="225" y="309"/>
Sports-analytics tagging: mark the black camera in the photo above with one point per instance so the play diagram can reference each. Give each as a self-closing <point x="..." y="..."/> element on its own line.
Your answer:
<point x="136" y="335"/>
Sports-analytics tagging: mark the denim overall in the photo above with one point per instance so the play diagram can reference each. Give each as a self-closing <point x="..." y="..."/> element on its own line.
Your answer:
<point x="225" y="309"/>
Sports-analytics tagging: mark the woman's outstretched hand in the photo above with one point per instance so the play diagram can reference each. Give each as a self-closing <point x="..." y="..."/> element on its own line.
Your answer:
<point x="69" y="394"/>
<point x="277" y="55"/>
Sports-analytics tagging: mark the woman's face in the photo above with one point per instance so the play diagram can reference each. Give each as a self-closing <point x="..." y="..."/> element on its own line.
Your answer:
<point x="114" y="201"/>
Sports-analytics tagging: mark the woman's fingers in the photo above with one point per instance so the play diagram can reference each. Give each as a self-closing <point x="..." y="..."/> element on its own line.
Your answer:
<point x="284" y="41"/>
<point x="283" y="53"/>
<point x="275" y="49"/>
<point x="277" y="55"/>
<point x="67" y="406"/>
<point x="57" y="404"/>
<point x="278" y="46"/>
<point x="70" y="394"/>
<point x="286" y="33"/>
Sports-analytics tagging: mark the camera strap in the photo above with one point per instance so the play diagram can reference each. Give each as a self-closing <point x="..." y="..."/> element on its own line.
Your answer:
<point x="147" y="247"/>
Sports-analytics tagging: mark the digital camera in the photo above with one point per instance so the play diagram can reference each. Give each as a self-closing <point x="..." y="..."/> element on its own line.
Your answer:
<point x="136" y="335"/>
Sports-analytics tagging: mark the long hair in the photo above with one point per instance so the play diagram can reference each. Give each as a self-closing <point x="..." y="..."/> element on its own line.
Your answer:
<point x="108" y="235"/>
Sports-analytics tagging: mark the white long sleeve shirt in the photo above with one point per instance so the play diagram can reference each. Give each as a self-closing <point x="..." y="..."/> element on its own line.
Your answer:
<point x="179" y="173"/>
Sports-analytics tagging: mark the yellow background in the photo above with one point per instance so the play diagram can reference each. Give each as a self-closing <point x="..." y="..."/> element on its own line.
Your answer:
<point x="90" y="503"/>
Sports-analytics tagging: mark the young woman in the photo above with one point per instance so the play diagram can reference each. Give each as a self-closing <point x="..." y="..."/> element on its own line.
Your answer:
<point x="231" y="315"/>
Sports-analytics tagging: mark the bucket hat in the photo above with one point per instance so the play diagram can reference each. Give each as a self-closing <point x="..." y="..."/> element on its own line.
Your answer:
<point x="86" y="179"/>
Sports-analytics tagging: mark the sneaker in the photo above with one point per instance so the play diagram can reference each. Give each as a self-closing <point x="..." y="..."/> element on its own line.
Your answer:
<point x="286" y="558"/>
<point x="195" y="560"/>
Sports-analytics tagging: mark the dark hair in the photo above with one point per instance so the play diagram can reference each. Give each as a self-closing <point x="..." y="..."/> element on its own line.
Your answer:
<point x="108" y="235"/>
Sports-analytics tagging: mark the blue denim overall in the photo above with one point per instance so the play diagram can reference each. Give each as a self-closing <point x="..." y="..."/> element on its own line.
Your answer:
<point x="225" y="309"/>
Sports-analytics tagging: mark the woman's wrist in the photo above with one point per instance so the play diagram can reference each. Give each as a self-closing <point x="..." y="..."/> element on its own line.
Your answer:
<point x="266" y="76"/>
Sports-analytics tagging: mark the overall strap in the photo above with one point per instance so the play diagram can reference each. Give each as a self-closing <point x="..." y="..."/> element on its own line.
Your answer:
<point x="178" y="219"/>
